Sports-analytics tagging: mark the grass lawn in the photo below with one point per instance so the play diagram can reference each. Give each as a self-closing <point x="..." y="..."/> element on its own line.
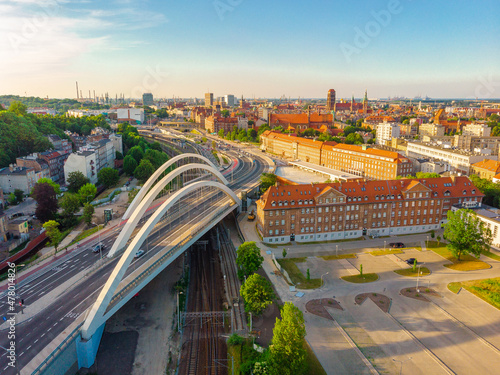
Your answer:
<point x="385" y="252"/>
<point x="491" y="255"/>
<point x="467" y="262"/>
<point x="314" y="365"/>
<point x="87" y="233"/>
<point x="332" y="241"/>
<point x="335" y="257"/>
<point x="296" y="275"/>
<point x="107" y="192"/>
<point x="454" y="287"/>
<point x="358" y="279"/>
<point x="486" y="289"/>
<point x="409" y="272"/>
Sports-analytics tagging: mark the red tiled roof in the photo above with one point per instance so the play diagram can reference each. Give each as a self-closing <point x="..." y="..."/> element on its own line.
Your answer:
<point x="488" y="164"/>
<point x="367" y="191"/>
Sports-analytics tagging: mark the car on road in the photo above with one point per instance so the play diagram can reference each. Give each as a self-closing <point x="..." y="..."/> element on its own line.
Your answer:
<point x="411" y="261"/>
<point x="99" y="247"/>
<point x="397" y="245"/>
<point x="139" y="254"/>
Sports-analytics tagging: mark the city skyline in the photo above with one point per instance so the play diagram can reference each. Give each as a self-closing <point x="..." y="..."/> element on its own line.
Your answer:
<point x="255" y="49"/>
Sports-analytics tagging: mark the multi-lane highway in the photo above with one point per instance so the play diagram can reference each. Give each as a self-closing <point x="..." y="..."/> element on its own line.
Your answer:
<point x="34" y="334"/>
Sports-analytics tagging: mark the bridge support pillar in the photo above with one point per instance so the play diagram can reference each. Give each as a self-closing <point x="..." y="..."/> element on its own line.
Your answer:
<point x="86" y="350"/>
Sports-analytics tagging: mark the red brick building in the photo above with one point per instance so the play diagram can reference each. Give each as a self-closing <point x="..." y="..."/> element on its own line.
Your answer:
<point x="334" y="211"/>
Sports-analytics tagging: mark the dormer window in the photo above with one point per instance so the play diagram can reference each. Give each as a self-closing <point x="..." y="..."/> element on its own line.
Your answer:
<point x="310" y="201"/>
<point x="292" y="203"/>
<point x="280" y="203"/>
<point x="300" y="201"/>
<point x="376" y="197"/>
<point x="286" y="203"/>
<point x="473" y="191"/>
<point x="273" y="203"/>
<point x="464" y="192"/>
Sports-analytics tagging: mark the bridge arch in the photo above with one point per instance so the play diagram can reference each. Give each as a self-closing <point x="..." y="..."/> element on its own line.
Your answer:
<point x="96" y="316"/>
<point x="142" y="206"/>
<point x="150" y="182"/>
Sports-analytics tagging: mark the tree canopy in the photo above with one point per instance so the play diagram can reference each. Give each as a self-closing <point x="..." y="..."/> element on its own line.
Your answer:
<point x="108" y="177"/>
<point x="257" y="293"/>
<point x="45" y="197"/>
<point x="287" y="352"/>
<point x="248" y="258"/>
<point x="466" y="233"/>
<point x="129" y="165"/>
<point x="267" y="180"/>
<point x="144" y="170"/>
<point x="87" y="193"/>
<point x="53" y="233"/>
<point x="76" y="180"/>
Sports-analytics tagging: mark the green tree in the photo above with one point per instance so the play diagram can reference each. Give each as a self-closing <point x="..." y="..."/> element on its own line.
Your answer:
<point x="53" y="233"/>
<point x="45" y="180"/>
<point x="18" y="108"/>
<point x="108" y="177"/>
<point x="414" y="268"/>
<point x="438" y="238"/>
<point x="12" y="199"/>
<point x="144" y="170"/>
<point x="248" y="258"/>
<point x="267" y="180"/>
<point x="118" y="155"/>
<point x="19" y="194"/>
<point x="45" y="197"/>
<point x="88" y="212"/>
<point x="466" y="233"/>
<point x="225" y="113"/>
<point x="76" y="180"/>
<point x="70" y="203"/>
<point x="87" y="193"/>
<point x="284" y="253"/>
<point x="308" y="275"/>
<point x="427" y="175"/>
<point x="287" y="352"/>
<point x="137" y="153"/>
<point x="221" y="133"/>
<point x="129" y="165"/>
<point x="257" y="293"/>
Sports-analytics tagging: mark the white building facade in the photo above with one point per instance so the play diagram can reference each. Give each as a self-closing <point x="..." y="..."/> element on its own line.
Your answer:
<point x="83" y="161"/>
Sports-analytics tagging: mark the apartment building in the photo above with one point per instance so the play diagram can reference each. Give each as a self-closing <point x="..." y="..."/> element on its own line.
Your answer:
<point x="15" y="177"/>
<point x="319" y="212"/>
<point x="82" y="161"/>
<point x="359" y="160"/>
<point x="386" y="131"/>
<point x="431" y="130"/>
<point x="486" y="168"/>
<point x="458" y="160"/>
<point x="477" y="129"/>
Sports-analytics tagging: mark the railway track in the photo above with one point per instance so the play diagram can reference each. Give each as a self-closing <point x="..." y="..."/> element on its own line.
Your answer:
<point x="204" y="347"/>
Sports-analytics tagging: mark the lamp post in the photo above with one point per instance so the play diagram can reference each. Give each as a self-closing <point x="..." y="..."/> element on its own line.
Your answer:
<point x="385" y="244"/>
<point x="401" y="368"/>
<point x="322" y="278"/>
<point x="418" y="274"/>
<point x="178" y="313"/>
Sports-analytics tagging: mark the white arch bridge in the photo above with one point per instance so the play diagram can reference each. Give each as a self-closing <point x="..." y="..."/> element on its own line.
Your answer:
<point x="123" y="282"/>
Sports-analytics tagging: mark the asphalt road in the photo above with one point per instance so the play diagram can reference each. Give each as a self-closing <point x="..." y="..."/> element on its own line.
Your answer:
<point x="34" y="334"/>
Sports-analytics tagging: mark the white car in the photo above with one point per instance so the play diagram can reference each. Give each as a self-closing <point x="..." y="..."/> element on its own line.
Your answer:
<point x="139" y="254"/>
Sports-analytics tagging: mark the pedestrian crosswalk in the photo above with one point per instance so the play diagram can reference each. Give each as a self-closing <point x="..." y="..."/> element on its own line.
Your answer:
<point x="72" y="315"/>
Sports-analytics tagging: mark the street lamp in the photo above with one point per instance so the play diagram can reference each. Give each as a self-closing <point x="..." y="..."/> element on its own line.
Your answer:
<point x="322" y="278"/>
<point x="401" y="368"/>
<point x="418" y="274"/>
<point x="178" y="313"/>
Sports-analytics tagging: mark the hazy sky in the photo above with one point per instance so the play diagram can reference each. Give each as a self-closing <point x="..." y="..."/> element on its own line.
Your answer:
<point x="438" y="48"/>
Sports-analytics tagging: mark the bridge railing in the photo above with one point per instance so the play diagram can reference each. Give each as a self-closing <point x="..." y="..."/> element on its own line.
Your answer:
<point x="57" y="351"/>
<point x="220" y="212"/>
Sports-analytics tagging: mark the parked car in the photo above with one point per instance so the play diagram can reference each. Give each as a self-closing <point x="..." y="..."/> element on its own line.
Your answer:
<point x="397" y="244"/>
<point x="99" y="247"/>
<point x="139" y="254"/>
<point x="411" y="261"/>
